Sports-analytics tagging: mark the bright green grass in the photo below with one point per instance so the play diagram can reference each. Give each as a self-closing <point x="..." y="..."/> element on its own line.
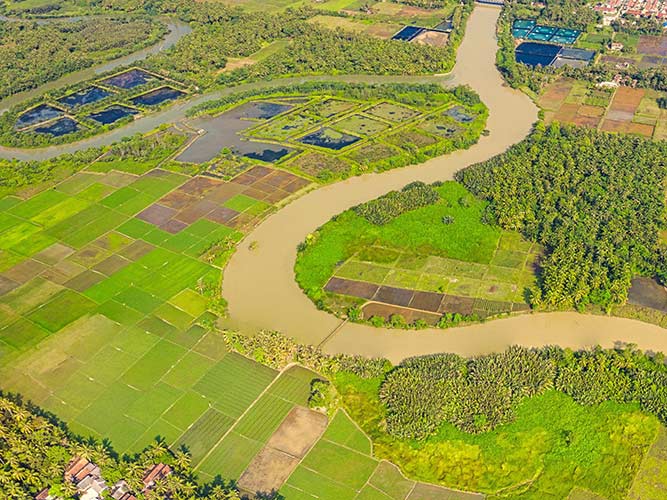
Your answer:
<point x="553" y="443"/>
<point x="419" y="231"/>
<point x="240" y="202"/>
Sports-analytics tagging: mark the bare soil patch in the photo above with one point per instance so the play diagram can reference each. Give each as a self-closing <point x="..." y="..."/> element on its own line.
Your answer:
<point x="272" y="466"/>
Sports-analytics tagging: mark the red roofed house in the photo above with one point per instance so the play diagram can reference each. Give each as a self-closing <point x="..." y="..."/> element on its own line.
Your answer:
<point x="155" y="474"/>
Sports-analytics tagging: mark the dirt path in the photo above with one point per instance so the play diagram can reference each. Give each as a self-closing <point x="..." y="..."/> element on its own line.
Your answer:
<point x="262" y="293"/>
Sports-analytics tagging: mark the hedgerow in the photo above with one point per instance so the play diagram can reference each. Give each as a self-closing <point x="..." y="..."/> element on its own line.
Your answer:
<point x="386" y="208"/>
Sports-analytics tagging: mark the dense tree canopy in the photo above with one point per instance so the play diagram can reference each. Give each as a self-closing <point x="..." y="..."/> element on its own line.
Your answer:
<point x="596" y="202"/>
<point x="478" y="394"/>
<point x="32" y="53"/>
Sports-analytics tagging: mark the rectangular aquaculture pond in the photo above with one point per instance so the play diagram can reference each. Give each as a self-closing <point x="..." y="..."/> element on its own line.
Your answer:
<point x="533" y="54"/>
<point x="262" y="151"/>
<point x="112" y="114"/>
<point x="130" y="79"/>
<point x="329" y="138"/>
<point x="38" y="114"/>
<point x="85" y="96"/>
<point x="527" y="29"/>
<point x="261" y="110"/>
<point x="407" y="33"/>
<point x="58" y="128"/>
<point x="157" y="96"/>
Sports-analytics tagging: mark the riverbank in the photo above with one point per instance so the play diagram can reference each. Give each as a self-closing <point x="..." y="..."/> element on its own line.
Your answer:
<point x="259" y="279"/>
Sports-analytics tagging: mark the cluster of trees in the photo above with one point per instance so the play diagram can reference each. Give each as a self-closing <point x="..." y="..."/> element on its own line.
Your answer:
<point x="389" y="206"/>
<point x="16" y="175"/>
<point x="277" y="351"/>
<point x="478" y="394"/>
<point x="425" y="4"/>
<point x="35" y="449"/>
<point x="594" y="200"/>
<point x="32" y="54"/>
<point x="229" y="32"/>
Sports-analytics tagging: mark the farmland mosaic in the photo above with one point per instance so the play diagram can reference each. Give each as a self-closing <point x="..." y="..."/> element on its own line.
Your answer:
<point x="622" y="109"/>
<point x="109" y="284"/>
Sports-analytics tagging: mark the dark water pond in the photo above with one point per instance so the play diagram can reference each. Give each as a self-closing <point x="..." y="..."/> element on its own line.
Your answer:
<point x="407" y="33"/>
<point x="59" y="127"/>
<point x="223" y="131"/>
<point x="84" y="96"/>
<point x="261" y="151"/>
<point x="533" y="59"/>
<point x="157" y="96"/>
<point x="261" y="110"/>
<point x="38" y="114"/>
<point x="129" y="79"/>
<point x="329" y="138"/>
<point x="112" y="114"/>
<point x="459" y="114"/>
<point x="648" y="293"/>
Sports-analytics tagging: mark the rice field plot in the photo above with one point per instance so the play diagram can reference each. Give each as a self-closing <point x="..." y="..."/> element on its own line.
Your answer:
<point x="343" y="431"/>
<point x="204" y="433"/>
<point x="263" y="415"/>
<point x="651" y="480"/>
<point x="373" y="152"/>
<point x="235" y="383"/>
<point x="100" y="311"/>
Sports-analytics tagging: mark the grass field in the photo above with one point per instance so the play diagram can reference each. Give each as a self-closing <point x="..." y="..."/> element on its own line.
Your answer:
<point x="553" y="446"/>
<point x="464" y="258"/>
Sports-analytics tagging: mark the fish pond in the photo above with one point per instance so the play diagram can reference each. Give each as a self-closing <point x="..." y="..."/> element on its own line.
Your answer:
<point x="38" y="114"/>
<point x="157" y="96"/>
<point x="329" y="138"/>
<point x="60" y="127"/>
<point x="130" y="79"/>
<point x="85" y="96"/>
<point x="112" y="114"/>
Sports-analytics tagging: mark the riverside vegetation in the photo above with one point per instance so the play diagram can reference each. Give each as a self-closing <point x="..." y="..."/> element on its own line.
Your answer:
<point x="523" y="423"/>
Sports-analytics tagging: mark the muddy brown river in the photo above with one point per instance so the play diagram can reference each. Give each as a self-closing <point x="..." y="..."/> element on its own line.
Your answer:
<point x="262" y="293"/>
